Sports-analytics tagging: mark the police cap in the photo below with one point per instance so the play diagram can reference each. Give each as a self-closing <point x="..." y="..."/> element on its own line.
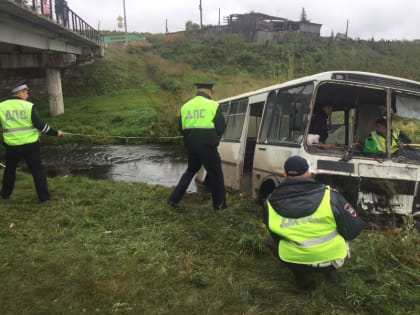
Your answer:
<point x="204" y="85"/>
<point x="21" y="85"/>
<point x="296" y="166"/>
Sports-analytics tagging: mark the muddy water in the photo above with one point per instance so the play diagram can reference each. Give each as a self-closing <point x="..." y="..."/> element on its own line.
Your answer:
<point x="151" y="164"/>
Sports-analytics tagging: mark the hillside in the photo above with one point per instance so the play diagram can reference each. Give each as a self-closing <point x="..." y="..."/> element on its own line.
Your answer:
<point x="238" y="65"/>
<point x="105" y="247"/>
<point x="138" y="91"/>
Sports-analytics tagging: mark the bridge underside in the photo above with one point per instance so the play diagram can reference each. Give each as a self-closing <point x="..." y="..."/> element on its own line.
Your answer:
<point x="31" y="40"/>
<point x="16" y="33"/>
<point x="34" y="59"/>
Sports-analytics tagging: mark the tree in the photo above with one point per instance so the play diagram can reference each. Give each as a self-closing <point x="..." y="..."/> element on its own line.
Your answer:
<point x="303" y="16"/>
<point x="190" y="26"/>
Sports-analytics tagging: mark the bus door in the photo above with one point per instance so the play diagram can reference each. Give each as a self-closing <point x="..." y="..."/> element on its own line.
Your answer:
<point x="233" y="142"/>
<point x="256" y="106"/>
<point x="281" y="135"/>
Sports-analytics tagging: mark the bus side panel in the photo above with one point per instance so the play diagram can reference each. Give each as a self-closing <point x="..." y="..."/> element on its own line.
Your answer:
<point x="372" y="188"/>
<point x="231" y="154"/>
<point x="374" y="203"/>
<point x="380" y="181"/>
<point x="269" y="161"/>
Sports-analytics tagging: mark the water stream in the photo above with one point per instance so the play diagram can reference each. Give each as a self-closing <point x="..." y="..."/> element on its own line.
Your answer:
<point x="153" y="164"/>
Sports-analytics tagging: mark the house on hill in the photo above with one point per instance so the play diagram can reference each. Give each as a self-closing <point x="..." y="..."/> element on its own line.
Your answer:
<point x="258" y="27"/>
<point x="264" y="28"/>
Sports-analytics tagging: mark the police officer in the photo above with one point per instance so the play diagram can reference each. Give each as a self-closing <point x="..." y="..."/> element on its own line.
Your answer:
<point x="376" y="142"/>
<point x="21" y="125"/>
<point x="309" y="224"/>
<point x="202" y="123"/>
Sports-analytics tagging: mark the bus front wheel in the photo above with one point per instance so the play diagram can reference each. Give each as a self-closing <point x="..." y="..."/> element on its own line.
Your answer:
<point x="266" y="189"/>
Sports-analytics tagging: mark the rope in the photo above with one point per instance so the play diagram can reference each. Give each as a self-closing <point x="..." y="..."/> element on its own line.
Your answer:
<point x="119" y="137"/>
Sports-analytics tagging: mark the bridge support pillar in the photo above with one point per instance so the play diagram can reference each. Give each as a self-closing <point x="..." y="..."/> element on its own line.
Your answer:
<point x="55" y="93"/>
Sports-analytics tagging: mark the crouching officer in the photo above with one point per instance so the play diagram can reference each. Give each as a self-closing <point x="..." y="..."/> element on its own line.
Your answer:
<point x="309" y="224"/>
<point x="201" y="123"/>
<point x="21" y="125"/>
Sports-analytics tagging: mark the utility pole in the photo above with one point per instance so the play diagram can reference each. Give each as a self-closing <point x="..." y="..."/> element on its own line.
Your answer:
<point x="125" y="24"/>
<point x="347" y="28"/>
<point x="201" y="16"/>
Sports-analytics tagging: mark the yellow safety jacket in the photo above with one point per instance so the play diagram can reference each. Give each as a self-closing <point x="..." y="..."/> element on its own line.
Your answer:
<point x="380" y="141"/>
<point x="308" y="240"/>
<point x="15" y="119"/>
<point x="198" y="113"/>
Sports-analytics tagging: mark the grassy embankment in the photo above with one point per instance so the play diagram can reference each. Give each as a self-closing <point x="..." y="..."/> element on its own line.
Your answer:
<point x="137" y="93"/>
<point x="102" y="248"/>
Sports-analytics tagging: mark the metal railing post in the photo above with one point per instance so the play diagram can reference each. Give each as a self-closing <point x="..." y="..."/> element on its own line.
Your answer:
<point x="68" y="19"/>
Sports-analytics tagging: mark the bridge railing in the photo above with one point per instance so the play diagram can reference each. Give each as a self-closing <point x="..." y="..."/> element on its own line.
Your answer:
<point x="59" y="12"/>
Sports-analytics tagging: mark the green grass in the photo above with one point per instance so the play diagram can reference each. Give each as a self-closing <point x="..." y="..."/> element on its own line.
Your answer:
<point x="101" y="247"/>
<point x="131" y="113"/>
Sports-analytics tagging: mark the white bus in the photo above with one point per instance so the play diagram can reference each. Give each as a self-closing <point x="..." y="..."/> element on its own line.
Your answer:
<point x="266" y="126"/>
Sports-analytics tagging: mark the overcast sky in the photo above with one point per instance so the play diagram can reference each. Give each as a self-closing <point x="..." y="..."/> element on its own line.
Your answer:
<point x="381" y="19"/>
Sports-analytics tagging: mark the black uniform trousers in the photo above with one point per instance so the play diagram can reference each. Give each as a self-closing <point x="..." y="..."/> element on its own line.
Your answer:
<point x="31" y="153"/>
<point x="302" y="273"/>
<point x="210" y="158"/>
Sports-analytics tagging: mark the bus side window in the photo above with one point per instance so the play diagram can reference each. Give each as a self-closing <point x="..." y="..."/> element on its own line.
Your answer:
<point x="283" y="119"/>
<point x="336" y="129"/>
<point x="235" y="120"/>
<point x="297" y="119"/>
<point x="268" y="115"/>
<point x="225" y="110"/>
<point x="288" y="115"/>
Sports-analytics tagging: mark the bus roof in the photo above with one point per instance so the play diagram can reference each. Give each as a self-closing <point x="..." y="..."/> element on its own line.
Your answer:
<point x="369" y="78"/>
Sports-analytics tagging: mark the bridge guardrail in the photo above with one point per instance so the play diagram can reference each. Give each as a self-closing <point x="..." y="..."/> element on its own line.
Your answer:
<point x="59" y="12"/>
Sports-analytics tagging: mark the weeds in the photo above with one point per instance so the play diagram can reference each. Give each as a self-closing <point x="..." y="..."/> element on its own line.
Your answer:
<point x="104" y="247"/>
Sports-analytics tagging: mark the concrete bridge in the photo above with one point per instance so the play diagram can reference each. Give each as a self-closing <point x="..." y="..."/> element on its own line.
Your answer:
<point x="45" y="34"/>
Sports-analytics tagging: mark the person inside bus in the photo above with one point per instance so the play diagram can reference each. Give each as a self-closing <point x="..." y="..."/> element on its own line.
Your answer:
<point x="318" y="129"/>
<point x="309" y="225"/>
<point x="375" y="143"/>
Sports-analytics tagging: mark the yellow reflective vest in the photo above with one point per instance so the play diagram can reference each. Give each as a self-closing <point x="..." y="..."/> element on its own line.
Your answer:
<point x="198" y="113"/>
<point x="308" y="240"/>
<point x="380" y="141"/>
<point x="15" y="119"/>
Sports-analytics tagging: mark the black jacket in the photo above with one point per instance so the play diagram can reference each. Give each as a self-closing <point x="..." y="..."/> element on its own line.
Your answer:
<point x="319" y="126"/>
<point x="300" y="197"/>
